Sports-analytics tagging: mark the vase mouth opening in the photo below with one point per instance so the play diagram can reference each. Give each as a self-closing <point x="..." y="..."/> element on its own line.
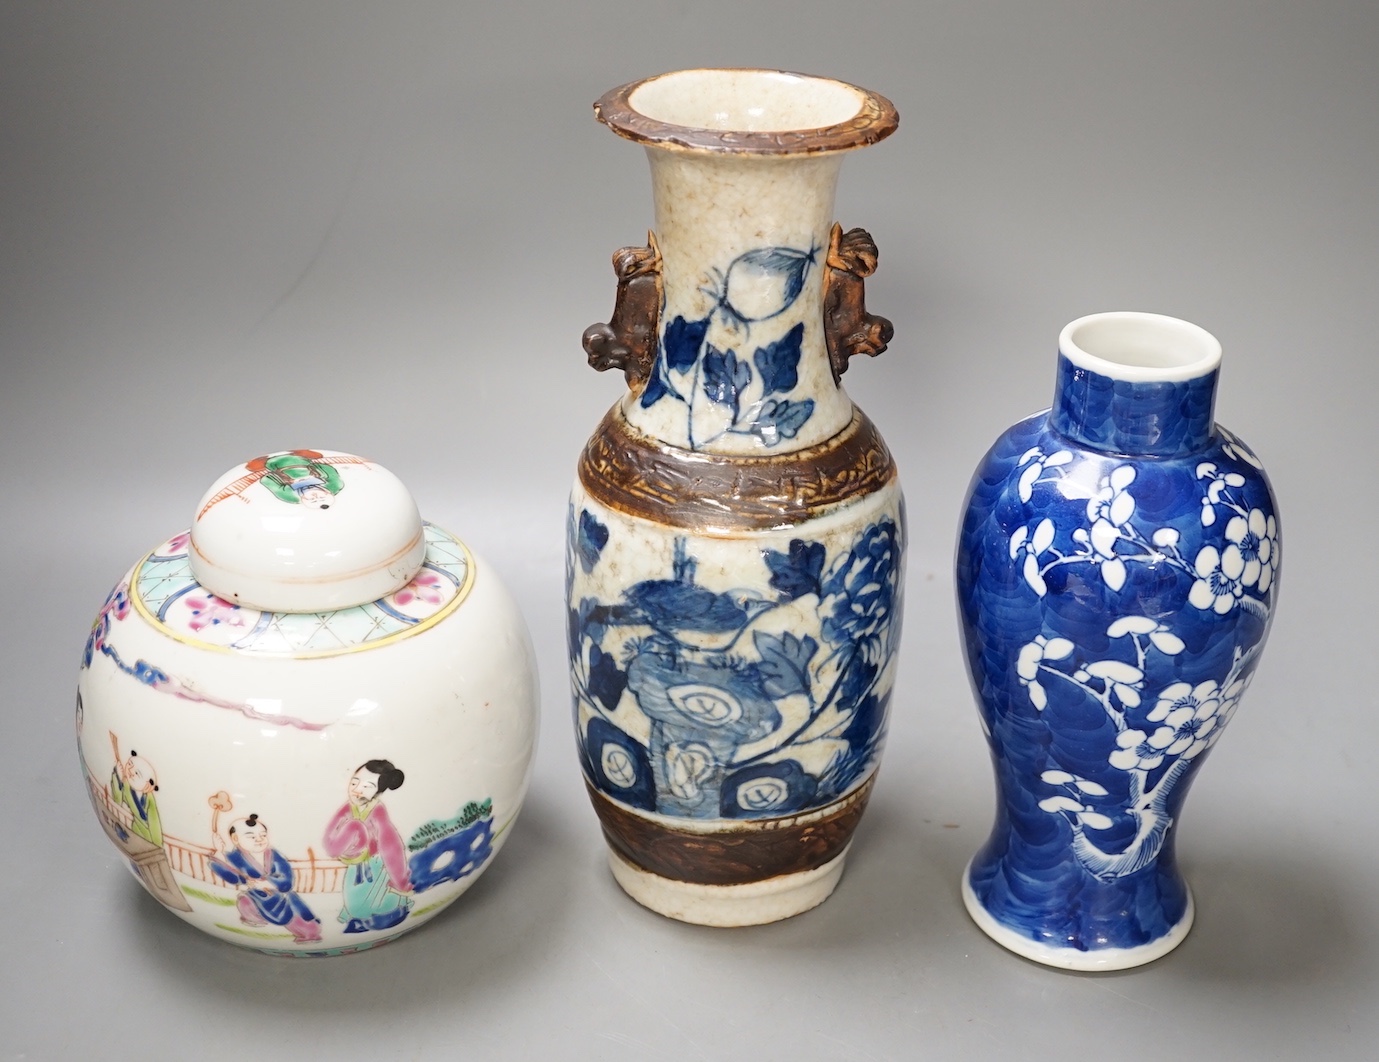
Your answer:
<point x="1140" y="347"/>
<point x="747" y="112"/>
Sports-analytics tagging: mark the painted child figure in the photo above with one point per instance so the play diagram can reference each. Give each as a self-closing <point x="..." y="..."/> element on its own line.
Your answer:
<point x="132" y="785"/>
<point x="362" y="836"/>
<point x="263" y="881"/>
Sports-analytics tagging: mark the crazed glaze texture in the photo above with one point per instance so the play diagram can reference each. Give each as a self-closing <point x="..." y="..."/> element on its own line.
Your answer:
<point x="1114" y="608"/>
<point x="741" y="365"/>
<point x="733" y="678"/>
<point x="736" y="538"/>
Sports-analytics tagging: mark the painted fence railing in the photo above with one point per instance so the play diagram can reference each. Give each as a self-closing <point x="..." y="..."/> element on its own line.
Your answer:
<point x="190" y="860"/>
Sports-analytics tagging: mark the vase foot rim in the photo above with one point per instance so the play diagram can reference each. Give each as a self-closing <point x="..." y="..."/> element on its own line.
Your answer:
<point x="1100" y="960"/>
<point x="752" y="904"/>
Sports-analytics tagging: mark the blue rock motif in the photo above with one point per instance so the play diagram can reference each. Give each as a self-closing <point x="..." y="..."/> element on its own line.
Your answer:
<point x="702" y="704"/>
<point x="459" y="854"/>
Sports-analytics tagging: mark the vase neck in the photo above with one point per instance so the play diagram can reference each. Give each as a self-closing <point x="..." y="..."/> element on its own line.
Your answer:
<point x="1136" y="384"/>
<point x="742" y="365"/>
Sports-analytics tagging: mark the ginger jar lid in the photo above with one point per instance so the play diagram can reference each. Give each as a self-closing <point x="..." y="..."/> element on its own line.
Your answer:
<point x="306" y="531"/>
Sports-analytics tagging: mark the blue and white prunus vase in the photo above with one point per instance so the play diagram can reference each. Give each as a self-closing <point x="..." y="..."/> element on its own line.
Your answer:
<point x="1117" y="569"/>
<point x="735" y="543"/>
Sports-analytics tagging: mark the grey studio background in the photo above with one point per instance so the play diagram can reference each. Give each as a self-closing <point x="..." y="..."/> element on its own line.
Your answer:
<point x="232" y="228"/>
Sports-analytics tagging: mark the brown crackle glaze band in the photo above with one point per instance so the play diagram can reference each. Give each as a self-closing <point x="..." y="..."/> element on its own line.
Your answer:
<point x="755" y="850"/>
<point x="707" y="492"/>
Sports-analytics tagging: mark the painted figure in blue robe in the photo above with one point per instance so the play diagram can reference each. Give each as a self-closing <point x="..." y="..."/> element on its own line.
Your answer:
<point x="263" y="881"/>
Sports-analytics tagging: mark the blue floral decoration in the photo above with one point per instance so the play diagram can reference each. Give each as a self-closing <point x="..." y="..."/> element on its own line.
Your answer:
<point x="797" y="571"/>
<point x="727" y="698"/>
<point x="593" y="536"/>
<point x="785" y="266"/>
<point x="1113" y="611"/>
<point x="867" y="586"/>
<point x="752" y="391"/>
<point x="779" y="362"/>
<point x="681" y="342"/>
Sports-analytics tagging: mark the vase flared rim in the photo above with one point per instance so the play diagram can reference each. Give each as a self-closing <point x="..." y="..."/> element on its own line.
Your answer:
<point x="1140" y="347"/>
<point x="677" y="111"/>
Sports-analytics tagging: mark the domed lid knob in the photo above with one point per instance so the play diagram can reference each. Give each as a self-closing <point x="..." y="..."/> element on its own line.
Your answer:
<point x="306" y="531"/>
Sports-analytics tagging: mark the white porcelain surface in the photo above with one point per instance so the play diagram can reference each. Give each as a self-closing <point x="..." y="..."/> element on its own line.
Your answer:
<point x="754" y="904"/>
<point x="308" y="783"/>
<point x="1140" y="347"/>
<point x="306" y="531"/>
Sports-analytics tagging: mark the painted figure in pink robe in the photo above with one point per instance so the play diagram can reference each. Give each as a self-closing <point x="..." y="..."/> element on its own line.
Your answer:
<point x="377" y="880"/>
<point x="262" y="878"/>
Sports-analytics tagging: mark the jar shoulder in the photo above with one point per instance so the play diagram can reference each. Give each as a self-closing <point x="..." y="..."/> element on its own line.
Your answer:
<point x="314" y="667"/>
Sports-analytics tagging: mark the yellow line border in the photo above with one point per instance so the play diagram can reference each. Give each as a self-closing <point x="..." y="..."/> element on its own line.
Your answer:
<point x="136" y="599"/>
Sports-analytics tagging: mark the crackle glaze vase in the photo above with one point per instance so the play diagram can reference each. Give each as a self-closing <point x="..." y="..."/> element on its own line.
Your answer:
<point x="307" y="723"/>
<point x="736" y="529"/>
<point x="1117" y="571"/>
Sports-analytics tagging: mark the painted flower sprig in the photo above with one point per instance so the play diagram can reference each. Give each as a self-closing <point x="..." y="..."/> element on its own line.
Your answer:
<point x="1236" y="571"/>
<point x="701" y="366"/>
<point x="1154" y="746"/>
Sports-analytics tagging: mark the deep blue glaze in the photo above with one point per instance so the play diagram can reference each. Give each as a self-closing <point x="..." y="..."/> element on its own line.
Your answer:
<point x="1113" y="610"/>
<point x="1127" y="417"/>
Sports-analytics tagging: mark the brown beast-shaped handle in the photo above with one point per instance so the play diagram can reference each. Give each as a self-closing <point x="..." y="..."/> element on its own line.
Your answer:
<point x="848" y="328"/>
<point x="628" y="340"/>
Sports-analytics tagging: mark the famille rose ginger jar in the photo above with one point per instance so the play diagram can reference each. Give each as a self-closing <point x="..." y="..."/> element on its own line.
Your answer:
<point x="735" y="540"/>
<point x="307" y="724"/>
<point x="1117" y="572"/>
